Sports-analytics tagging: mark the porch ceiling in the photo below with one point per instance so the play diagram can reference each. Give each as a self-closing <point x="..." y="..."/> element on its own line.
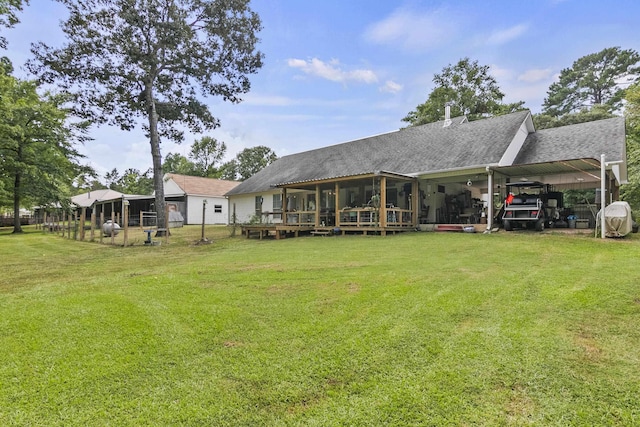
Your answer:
<point x="328" y="182"/>
<point x="590" y="168"/>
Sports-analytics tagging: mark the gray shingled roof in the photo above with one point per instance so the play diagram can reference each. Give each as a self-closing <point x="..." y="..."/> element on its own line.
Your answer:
<point x="581" y="141"/>
<point x="429" y="147"/>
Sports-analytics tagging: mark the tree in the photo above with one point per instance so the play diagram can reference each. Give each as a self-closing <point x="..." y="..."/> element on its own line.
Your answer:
<point x="87" y="181"/>
<point x="111" y="179"/>
<point x="8" y="15"/>
<point x="593" y="80"/>
<point x="468" y="89"/>
<point x="597" y="112"/>
<point x="229" y="170"/>
<point x="128" y="60"/>
<point x="131" y="181"/>
<point x="134" y="182"/>
<point x="251" y="160"/>
<point x="631" y="191"/>
<point x="177" y="163"/>
<point x="38" y="161"/>
<point x="205" y="154"/>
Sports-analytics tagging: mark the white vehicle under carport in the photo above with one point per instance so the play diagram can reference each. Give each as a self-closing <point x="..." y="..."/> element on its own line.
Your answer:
<point x="526" y="206"/>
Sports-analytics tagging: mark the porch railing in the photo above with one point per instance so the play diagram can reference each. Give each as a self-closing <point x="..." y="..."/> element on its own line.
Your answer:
<point x="359" y="217"/>
<point x="367" y="217"/>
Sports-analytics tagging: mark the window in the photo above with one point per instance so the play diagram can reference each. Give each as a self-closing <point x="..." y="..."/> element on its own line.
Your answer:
<point x="277" y="206"/>
<point x="258" y="206"/>
<point x="217" y="208"/>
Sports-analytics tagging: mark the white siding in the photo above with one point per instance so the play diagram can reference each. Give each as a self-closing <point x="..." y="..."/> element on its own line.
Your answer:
<point x="194" y="210"/>
<point x="245" y="205"/>
<point x="172" y="189"/>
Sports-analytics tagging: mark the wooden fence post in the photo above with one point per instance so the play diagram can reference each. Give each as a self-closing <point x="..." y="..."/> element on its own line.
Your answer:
<point x="75" y="225"/>
<point x="101" y="223"/>
<point x="125" y="224"/>
<point x="83" y="219"/>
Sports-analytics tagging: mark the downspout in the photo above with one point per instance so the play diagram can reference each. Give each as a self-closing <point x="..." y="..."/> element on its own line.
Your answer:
<point x="490" y="201"/>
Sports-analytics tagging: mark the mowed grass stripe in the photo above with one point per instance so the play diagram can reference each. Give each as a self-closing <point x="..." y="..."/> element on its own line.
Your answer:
<point x="412" y="329"/>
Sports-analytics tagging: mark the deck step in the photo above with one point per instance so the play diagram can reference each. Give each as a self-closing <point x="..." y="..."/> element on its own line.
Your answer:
<point x="450" y="227"/>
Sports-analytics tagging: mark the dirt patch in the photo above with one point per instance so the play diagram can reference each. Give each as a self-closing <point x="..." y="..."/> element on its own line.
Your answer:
<point x="353" y="287"/>
<point x="520" y="406"/>
<point x="589" y="345"/>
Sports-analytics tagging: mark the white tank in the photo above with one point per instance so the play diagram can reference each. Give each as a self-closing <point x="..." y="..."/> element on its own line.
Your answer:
<point x="108" y="226"/>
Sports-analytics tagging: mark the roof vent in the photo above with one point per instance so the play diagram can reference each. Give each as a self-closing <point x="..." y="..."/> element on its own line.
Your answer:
<point x="447" y="115"/>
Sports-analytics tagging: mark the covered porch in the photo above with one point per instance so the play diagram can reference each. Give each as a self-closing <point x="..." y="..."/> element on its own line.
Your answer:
<point x="376" y="203"/>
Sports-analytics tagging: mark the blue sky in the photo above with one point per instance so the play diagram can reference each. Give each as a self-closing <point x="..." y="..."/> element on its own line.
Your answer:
<point x="337" y="70"/>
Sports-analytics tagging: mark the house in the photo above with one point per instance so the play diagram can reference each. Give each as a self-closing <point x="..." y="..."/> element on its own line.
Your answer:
<point x="186" y="194"/>
<point x="87" y="200"/>
<point x="107" y="204"/>
<point x="100" y="201"/>
<point x="453" y="171"/>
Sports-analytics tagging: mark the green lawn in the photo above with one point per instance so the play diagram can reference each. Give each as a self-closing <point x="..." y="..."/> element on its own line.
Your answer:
<point x="415" y="329"/>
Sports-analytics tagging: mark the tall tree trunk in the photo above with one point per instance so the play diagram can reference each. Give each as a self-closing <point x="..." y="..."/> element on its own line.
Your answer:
<point x="17" y="227"/>
<point x="154" y="140"/>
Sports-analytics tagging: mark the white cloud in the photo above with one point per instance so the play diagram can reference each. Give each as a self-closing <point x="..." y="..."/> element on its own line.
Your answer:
<point x="532" y="94"/>
<point x="501" y="74"/>
<point x="332" y="71"/>
<point x="504" y="36"/>
<point x="268" y="100"/>
<point x="391" y="87"/>
<point x="535" y="75"/>
<point x="413" y="30"/>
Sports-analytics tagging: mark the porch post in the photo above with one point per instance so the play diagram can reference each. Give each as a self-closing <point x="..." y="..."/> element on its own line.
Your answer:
<point x="382" y="221"/>
<point x="614" y="189"/>
<point x="317" y="205"/>
<point x="284" y="205"/>
<point x="337" y="196"/>
<point x="603" y="189"/>
<point x="415" y="202"/>
<point x="490" y="201"/>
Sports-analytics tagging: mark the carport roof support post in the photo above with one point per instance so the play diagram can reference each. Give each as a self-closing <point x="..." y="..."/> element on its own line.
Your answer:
<point x="603" y="177"/>
<point x="490" y="201"/>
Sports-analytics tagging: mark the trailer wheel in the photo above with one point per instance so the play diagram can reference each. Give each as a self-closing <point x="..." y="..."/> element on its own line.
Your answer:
<point x="540" y="225"/>
<point x="507" y="225"/>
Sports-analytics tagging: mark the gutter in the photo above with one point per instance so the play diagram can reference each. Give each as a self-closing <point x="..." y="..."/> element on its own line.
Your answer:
<point x="461" y="169"/>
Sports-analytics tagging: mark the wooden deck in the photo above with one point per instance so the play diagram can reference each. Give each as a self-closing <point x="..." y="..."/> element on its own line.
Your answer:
<point x="281" y="231"/>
